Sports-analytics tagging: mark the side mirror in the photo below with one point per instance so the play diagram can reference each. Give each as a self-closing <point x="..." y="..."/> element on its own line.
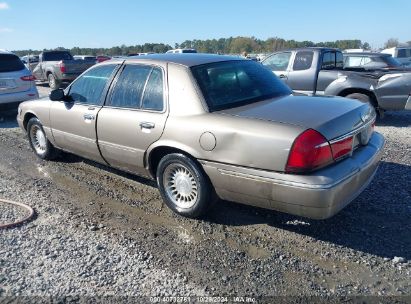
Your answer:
<point x="57" y="95"/>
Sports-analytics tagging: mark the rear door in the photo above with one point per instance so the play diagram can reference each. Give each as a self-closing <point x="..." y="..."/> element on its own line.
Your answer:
<point x="13" y="75"/>
<point x="303" y="73"/>
<point x="332" y="63"/>
<point x="133" y="117"/>
<point x="73" y="122"/>
<point x="279" y="63"/>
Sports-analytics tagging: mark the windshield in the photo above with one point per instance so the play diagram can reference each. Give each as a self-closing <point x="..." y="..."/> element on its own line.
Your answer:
<point x="231" y="84"/>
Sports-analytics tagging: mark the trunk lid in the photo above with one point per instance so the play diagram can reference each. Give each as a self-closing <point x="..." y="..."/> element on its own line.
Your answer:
<point x="333" y="117"/>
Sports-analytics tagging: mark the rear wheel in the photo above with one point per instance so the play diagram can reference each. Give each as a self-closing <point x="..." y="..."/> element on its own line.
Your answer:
<point x="359" y="96"/>
<point x="53" y="82"/>
<point x="183" y="186"/>
<point x="38" y="140"/>
<point x="365" y="98"/>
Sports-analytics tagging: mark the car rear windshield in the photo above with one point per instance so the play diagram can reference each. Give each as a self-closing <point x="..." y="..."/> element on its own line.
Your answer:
<point x="10" y="63"/>
<point x="57" y="56"/>
<point x="231" y="84"/>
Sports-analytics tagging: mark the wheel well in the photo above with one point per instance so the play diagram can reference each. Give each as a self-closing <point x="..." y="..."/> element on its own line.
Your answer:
<point x="27" y="117"/>
<point x="158" y="153"/>
<point x="370" y="94"/>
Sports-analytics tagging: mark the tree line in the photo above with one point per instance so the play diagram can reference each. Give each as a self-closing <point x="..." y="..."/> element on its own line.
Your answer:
<point x="231" y="45"/>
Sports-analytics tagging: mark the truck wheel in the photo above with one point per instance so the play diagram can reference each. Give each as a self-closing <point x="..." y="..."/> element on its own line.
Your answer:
<point x="183" y="186"/>
<point x="53" y="82"/>
<point x="38" y="140"/>
<point x="359" y="96"/>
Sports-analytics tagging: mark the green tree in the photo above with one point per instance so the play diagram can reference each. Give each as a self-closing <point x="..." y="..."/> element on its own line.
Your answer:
<point x="392" y="42"/>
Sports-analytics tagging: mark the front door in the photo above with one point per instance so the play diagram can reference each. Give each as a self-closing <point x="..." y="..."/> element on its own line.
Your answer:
<point x="279" y="64"/>
<point x="133" y="117"/>
<point x="73" y="122"/>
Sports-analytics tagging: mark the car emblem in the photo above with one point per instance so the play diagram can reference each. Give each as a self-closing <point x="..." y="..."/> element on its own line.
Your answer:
<point x="364" y="117"/>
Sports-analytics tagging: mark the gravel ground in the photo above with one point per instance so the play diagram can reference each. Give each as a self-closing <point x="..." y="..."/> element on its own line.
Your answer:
<point x="102" y="232"/>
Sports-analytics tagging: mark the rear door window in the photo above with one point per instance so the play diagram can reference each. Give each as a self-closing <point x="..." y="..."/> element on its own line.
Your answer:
<point x="278" y="62"/>
<point x="10" y="63"/>
<point x="129" y="87"/>
<point x="153" y="93"/>
<point x="303" y="60"/>
<point x="332" y="60"/>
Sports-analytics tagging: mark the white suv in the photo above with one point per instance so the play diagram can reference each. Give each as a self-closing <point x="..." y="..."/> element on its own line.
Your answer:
<point x="402" y="54"/>
<point x="16" y="82"/>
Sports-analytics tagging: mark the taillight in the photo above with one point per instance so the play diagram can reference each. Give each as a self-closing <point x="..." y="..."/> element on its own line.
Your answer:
<point x="342" y="147"/>
<point x="62" y="67"/>
<point x="310" y="151"/>
<point x="28" y="78"/>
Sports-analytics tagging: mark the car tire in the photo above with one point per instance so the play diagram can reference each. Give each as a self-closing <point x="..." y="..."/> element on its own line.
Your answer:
<point x="184" y="186"/>
<point x="359" y="96"/>
<point x="41" y="146"/>
<point x="53" y="82"/>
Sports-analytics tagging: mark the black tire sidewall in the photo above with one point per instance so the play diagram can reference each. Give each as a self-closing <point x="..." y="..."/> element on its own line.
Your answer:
<point x="49" y="153"/>
<point x="204" y="194"/>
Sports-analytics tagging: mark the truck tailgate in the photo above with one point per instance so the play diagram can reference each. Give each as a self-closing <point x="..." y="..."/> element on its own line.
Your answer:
<point x="77" y="66"/>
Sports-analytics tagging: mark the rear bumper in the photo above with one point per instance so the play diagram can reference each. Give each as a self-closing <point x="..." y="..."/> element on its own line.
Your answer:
<point x="11" y="100"/>
<point x="318" y="195"/>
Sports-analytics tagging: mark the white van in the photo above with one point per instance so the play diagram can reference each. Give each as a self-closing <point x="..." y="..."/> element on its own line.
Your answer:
<point x="402" y="54"/>
<point x="181" y="51"/>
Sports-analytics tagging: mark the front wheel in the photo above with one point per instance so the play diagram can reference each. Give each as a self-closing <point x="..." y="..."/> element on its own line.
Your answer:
<point x="183" y="186"/>
<point x="38" y="140"/>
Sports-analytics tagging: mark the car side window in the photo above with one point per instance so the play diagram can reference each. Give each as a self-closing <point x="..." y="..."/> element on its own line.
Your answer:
<point x="128" y="90"/>
<point x="153" y="94"/>
<point x="328" y="62"/>
<point x="89" y="87"/>
<point x="303" y="60"/>
<point x="278" y="62"/>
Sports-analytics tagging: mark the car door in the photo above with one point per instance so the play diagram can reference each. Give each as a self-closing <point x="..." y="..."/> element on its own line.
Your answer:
<point x="303" y="73"/>
<point x="73" y="122"/>
<point x="279" y="64"/>
<point x="133" y="117"/>
<point x="330" y="69"/>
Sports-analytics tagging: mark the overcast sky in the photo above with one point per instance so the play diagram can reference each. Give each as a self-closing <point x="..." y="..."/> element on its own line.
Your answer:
<point x="42" y="24"/>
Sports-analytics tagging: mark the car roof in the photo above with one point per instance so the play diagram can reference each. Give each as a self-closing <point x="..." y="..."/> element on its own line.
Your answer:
<point x="185" y="59"/>
<point x="369" y="54"/>
<point x="6" y="52"/>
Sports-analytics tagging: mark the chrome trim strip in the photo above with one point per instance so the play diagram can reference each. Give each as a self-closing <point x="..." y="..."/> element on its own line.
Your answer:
<point x="353" y="132"/>
<point x="408" y="104"/>
<point x="287" y="183"/>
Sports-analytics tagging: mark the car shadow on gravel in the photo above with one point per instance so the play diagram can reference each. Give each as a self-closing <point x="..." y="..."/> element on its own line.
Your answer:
<point x="8" y="119"/>
<point x="377" y="222"/>
<point x="395" y="119"/>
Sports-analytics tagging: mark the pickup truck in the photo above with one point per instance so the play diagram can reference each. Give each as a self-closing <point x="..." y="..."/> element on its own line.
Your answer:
<point x="57" y="67"/>
<point x="320" y="71"/>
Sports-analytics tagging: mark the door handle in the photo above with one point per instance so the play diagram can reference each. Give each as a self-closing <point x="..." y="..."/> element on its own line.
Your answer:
<point x="147" y="125"/>
<point x="89" y="117"/>
<point x="282" y="76"/>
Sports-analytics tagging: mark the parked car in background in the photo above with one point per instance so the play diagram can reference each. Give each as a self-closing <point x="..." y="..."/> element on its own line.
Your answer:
<point x="102" y="58"/>
<point x="16" y="82"/>
<point x="33" y="59"/>
<point x="85" y="57"/>
<point x="402" y="54"/>
<point x="207" y="126"/>
<point x="57" y="67"/>
<point x="320" y="71"/>
<point x="181" y="51"/>
<point x="371" y="61"/>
